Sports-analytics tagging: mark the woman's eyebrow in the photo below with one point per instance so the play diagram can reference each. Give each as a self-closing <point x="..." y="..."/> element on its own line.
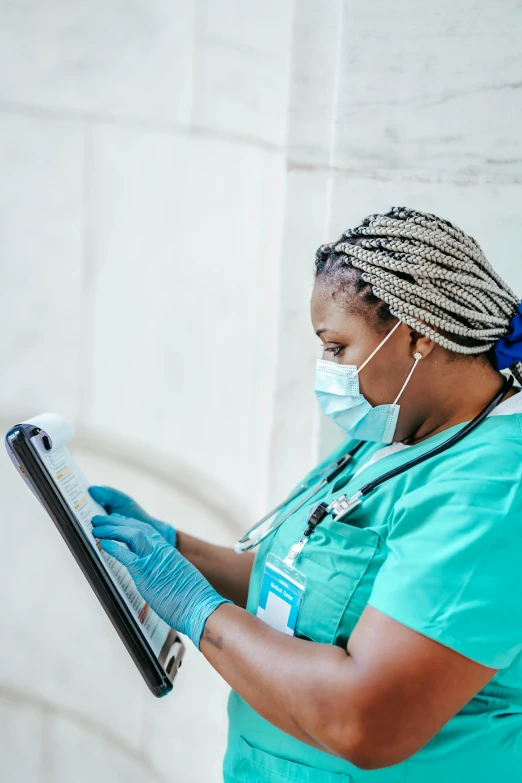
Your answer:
<point x="320" y="331"/>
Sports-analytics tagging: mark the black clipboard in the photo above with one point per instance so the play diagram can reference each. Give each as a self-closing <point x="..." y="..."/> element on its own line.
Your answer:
<point x="159" y="668"/>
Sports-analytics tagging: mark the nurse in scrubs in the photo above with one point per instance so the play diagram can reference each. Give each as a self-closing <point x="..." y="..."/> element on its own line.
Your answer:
<point x="399" y="658"/>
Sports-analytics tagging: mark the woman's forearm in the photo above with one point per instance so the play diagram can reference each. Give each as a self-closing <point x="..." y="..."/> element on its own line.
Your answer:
<point x="292" y="683"/>
<point x="227" y="572"/>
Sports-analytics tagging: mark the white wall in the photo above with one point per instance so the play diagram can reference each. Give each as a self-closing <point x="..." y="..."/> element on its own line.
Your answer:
<point x="168" y="170"/>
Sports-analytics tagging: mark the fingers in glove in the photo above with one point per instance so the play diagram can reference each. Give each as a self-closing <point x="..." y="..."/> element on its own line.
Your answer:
<point x="119" y="553"/>
<point x="113" y="500"/>
<point x="136" y="539"/>
<point x="108" y="496"/>
<point x="125" y="520"/>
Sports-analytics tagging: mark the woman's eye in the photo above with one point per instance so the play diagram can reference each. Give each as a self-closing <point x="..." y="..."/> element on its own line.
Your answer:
<point x="335" y="351"/>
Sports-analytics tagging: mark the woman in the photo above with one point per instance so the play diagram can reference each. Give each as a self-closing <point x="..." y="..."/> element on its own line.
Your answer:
<point x="405" y="662"/>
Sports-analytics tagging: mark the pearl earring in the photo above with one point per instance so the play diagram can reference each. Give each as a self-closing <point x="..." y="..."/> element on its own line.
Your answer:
<point x="417" y="356"/>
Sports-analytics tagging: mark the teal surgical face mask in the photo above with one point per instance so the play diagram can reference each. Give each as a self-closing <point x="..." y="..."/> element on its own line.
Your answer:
<point x="338" y="394"/>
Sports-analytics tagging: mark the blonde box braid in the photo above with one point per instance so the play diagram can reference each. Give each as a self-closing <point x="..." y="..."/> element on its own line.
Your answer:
<point x="430" y="274"/>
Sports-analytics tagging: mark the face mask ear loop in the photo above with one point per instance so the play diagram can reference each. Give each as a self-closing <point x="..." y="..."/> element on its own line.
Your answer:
<point x="417" y="357"/>
<point x="378" y="347"/>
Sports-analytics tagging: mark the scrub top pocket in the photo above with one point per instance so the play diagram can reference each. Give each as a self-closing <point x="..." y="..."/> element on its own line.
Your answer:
<point x="340" y="565"/>
<point x="258" y="766"/>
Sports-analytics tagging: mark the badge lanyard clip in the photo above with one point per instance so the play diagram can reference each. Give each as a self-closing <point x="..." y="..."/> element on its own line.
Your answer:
<point x="316" y="515"/>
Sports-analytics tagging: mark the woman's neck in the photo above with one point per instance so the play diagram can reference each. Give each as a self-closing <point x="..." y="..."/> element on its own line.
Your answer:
<point x="469" y="398"/>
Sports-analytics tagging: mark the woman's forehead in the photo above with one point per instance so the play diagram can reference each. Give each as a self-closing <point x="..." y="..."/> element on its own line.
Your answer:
<point x="329" y="304"/>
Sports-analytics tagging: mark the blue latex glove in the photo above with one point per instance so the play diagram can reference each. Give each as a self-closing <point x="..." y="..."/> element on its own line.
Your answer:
<point x="171" y="585"/>
<point x="114" y="501"/>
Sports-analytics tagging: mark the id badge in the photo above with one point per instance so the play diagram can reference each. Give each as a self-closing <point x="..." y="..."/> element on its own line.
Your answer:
<point x="282" y="591"/>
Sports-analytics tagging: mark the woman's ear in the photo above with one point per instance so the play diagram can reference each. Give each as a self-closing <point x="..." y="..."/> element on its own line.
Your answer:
<point x="421" y="344"/>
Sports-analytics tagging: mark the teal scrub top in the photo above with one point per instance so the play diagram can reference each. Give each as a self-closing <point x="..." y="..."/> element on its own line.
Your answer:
<point x="439" y="549"/>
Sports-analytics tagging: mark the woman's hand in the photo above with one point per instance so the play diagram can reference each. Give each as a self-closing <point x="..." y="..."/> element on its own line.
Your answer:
<point x="228" y="572"/>
<point x="171" y="585"/>
<point x="114" y="501"/>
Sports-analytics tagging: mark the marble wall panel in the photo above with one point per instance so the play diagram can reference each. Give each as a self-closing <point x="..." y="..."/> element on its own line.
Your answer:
<point x="316" y="51"/>
<point x="435" y="87"/>
<point x="73" y="751"/>
<point x="242" y="68"/>
<point x="41" y="264"/>
<point x="113" y="58"/>
<point x="185" y="252"/>
<point x="21" y="749"/>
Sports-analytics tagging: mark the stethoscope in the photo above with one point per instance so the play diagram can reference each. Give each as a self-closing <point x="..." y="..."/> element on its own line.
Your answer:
<point x="343" y="505"/>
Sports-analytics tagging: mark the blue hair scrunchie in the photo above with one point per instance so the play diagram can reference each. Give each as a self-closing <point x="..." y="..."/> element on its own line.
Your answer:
<point x="508" y="349"/>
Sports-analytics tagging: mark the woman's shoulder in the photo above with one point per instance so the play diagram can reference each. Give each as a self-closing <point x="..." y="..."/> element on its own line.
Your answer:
<point x="499" y="437"/>
<point x="481" y="471"/>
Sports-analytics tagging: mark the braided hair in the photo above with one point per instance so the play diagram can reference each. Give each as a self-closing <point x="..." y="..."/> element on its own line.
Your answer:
<point x="428" y="273"/>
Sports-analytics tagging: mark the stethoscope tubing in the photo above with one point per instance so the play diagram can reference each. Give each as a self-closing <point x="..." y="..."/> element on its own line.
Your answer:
<point x="261" y="530"/>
